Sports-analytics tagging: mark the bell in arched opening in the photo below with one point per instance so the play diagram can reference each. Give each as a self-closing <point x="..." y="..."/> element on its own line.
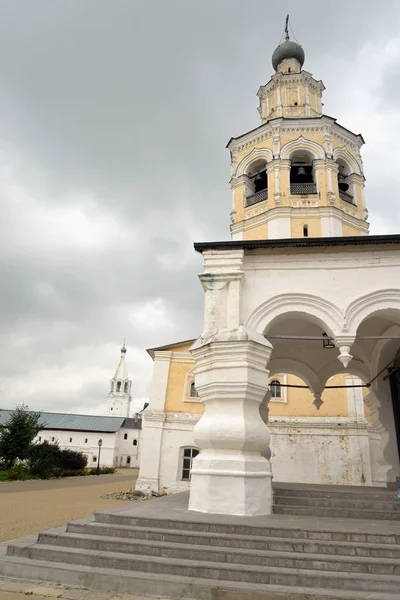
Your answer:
<point x="301" y="175"/>
<point x="343" y="185"/>
<point x="260" y="181"/>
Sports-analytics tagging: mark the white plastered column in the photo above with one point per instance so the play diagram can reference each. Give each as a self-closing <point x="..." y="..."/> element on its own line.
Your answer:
<point x="153" y="426"/>
<point x="229" y="476"/>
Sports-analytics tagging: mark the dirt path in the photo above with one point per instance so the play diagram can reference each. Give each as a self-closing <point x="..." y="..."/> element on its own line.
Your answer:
<point x="30" y="506"/>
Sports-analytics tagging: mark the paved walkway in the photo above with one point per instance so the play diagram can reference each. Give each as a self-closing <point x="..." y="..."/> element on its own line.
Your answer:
<point x="27" y="507"/>
<point x="11" y="589"/>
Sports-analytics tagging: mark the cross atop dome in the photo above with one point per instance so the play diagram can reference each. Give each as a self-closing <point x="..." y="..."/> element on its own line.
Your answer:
<point x="288" y="51"/>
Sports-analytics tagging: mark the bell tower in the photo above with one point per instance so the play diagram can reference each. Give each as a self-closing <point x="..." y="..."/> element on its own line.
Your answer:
<point x="300" y="173"/>
<point x="119" y="396"/>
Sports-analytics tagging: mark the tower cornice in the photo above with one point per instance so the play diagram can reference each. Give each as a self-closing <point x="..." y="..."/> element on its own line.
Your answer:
<point x="300" y="125"/>
<point x="282" y="78"/>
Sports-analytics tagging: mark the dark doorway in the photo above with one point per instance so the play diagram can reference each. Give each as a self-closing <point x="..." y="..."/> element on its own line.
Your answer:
<point x="395" y="389"/>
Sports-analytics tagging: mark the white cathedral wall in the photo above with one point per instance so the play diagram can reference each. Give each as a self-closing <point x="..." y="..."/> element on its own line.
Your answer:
<point x="320" y="450"/>
<point x="304" y="450"/>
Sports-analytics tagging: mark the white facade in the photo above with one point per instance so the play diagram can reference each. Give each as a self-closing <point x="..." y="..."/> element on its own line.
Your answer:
<point x="325" y="450"/>
<point x="115" y="450"/>
<point x="347" y="289"/>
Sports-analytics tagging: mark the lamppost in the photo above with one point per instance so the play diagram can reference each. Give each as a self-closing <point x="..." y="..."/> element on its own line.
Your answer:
<point x="98" y="458"/>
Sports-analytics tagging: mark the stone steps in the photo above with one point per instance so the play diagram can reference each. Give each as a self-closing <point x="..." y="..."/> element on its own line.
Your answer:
<point x="252" y="542"/>
<point x="316" y="511"/>
<point x="265" y="575"/>
<point x="336" y="492"/>
<point x="172" y="586"/>
<point x="363" y="504"/>
<point x="368" y="503"/>
<point x="159" y="548"/>
<point x="321" y="529"/>
<point x="217" y="554"/>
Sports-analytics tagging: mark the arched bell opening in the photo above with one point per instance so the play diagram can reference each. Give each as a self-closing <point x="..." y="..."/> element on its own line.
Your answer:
<point x="302" y="173"/>
<point x="257" y="182"/>
<point x="346" y="191"/>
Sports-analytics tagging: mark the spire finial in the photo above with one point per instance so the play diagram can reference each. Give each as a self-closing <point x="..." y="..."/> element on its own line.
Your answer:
<point x="287" y="36"/>
<point x="123" y="349"/>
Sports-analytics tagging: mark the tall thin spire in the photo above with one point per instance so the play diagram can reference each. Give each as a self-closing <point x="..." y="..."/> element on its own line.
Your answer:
<point x="119" y="397"/>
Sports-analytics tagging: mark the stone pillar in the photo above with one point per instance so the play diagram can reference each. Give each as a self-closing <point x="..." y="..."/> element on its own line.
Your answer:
<point x="230" y="476"/>
<point x="153" y="426"/>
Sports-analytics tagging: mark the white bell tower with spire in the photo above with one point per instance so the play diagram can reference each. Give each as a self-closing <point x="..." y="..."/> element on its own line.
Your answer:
<point x="119" y="396"/>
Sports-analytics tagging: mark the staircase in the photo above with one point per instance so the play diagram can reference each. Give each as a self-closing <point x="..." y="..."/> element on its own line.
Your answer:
<point x="157" y="548"/>
<point x="334" y="501"/>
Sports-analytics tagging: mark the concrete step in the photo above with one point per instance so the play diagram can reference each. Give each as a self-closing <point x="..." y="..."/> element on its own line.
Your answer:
<point x="374" y="515"/>
<point x="359" y="531"/>
<point x="283" y="544"/>
<point x="265" y="575"/>
<point x="172" y="586"/>
<point x="349" y="504"/>
<point x="368" y="494"/>
<point x="218" y="554"/>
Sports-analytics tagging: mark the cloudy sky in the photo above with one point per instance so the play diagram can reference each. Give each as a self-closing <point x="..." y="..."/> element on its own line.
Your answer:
<point x="114" y="117"/>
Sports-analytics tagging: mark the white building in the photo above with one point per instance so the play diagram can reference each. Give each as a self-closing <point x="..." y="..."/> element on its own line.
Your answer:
<point x="300" y="291"/>
<point x="120" y="434"/>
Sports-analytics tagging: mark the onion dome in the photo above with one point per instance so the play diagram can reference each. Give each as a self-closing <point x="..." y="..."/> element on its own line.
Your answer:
<point x="288" y="49"/>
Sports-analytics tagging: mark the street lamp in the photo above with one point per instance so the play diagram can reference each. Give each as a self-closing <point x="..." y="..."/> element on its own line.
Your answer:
<point x="98" y="458"/>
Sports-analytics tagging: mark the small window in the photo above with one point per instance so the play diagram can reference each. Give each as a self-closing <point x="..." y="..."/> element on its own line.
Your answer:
<point x="94" y="459"/>
<point x="188" y="456"/>
<point x="193" y="391"/>
<point x="305" y="230"/>
<point x="296" y="103"/>
<point x="118" y="386"/>
<point x="126" y="385"/>
<point x="112" y="386"/>
<point x="288" y="70"/>
<point x="128" y="460"/>
<point x="52" y="439"/>
<point x="135" y="442"/>
<point x="86" y="440"/>
<point x="125" y="436"/>
<point x="112" y="408"/>
<point x="40" y="439"/>
<point x="276" y="389"/>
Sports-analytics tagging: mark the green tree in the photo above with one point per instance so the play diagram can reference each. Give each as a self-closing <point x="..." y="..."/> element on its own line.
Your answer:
<point x="44" y="458"/>
<point x="17" y="435"/>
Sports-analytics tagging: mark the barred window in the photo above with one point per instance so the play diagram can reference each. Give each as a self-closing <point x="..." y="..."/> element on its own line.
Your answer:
<point x="188" y="456"/>
<point x="276" y="389"/>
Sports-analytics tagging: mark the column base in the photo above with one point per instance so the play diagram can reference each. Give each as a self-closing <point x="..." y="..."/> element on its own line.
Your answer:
<point x="231" y="485"/>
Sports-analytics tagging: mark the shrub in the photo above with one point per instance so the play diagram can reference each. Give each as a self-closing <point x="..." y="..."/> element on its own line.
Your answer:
<point x="14" y="475"/>
<point x="102" y="471"/>
<point x="72" y="460"/>
<point x="43" y="459"/>
<point x="74" y="473"/>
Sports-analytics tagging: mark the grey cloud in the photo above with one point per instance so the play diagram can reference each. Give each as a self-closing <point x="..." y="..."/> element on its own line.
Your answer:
<point x="131" y="103"/>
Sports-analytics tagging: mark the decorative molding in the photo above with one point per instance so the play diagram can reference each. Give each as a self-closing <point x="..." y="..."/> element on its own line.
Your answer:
<point x="182" y="417"/>
<point x="154" y="415"/>
<point x="366" y="305"/>
<point x="323" y="311"/>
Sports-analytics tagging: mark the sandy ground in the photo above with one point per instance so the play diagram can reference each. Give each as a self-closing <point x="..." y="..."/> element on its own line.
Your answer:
<point x="28" y="507"/>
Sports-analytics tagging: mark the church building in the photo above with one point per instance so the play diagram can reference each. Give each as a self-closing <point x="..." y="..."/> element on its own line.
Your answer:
<point x="295" y="377"/>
